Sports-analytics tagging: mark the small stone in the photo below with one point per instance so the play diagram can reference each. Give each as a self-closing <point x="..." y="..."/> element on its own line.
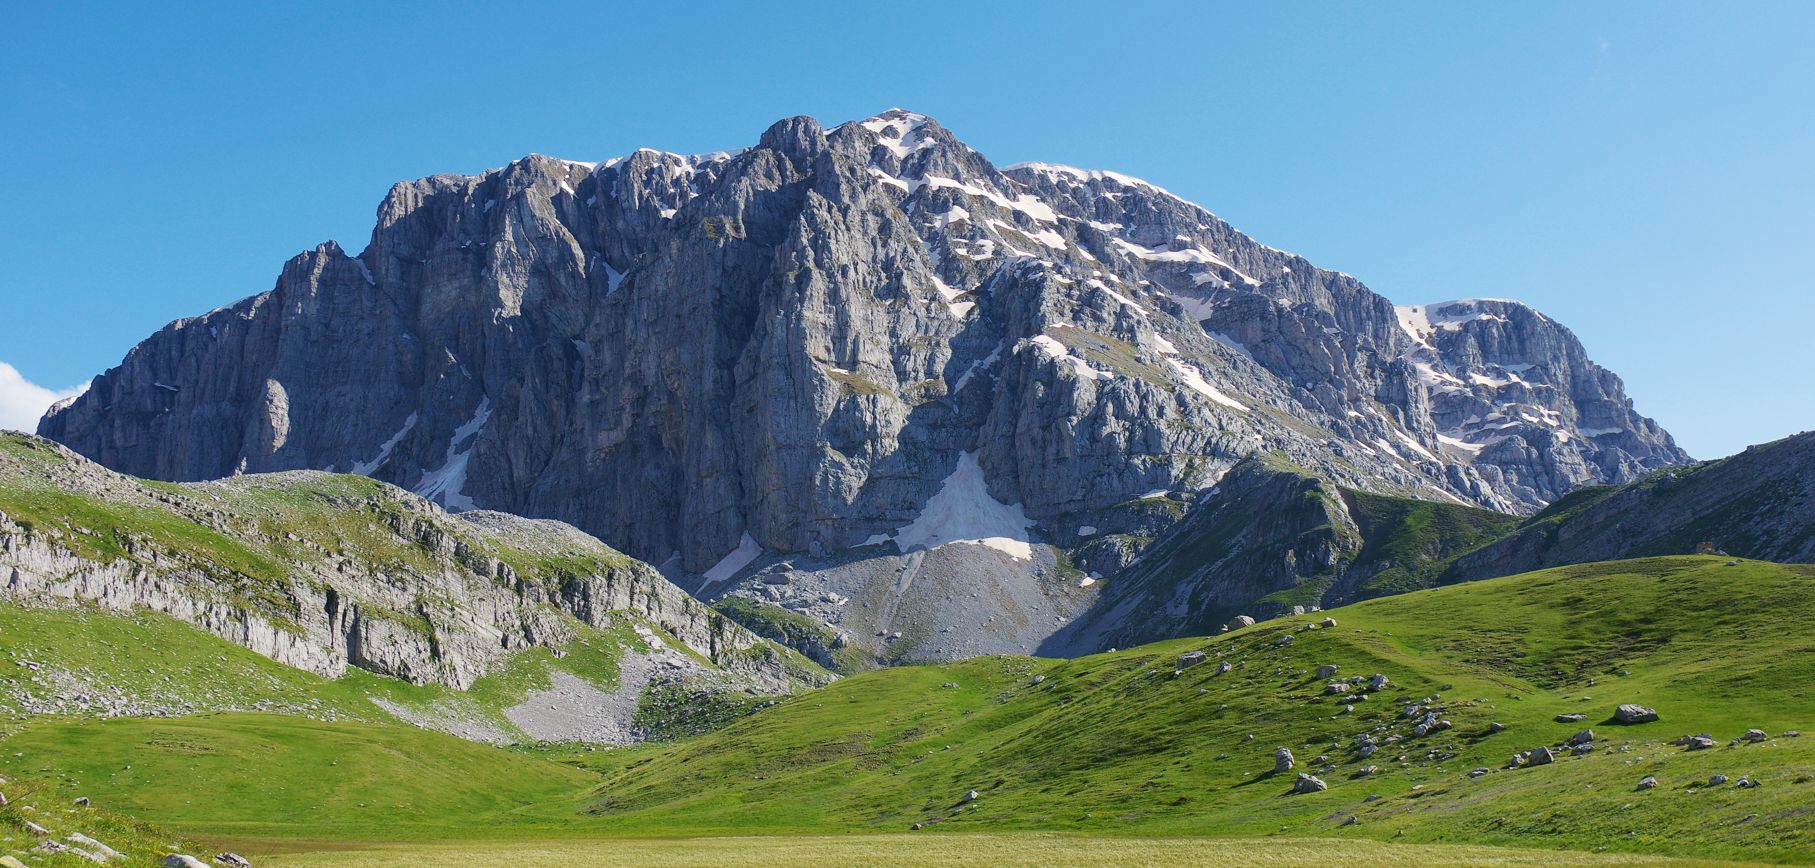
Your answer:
<point x="1571" y="718"/>
<point x="1350" y="821"/>
<point x="36" y="829"/>
<point x="1224" y="667"/>
<point x="1697" y="742"/>
<point x="1647" y="782"/>
<point x="180" y="860"/>
<point x="81" y="801"/>
<point x="1634" y="714"/>
<point x="1326" y="670"/>
<point x="1378" y="682"/>
<point x="1755" y="735"/>
<point x="1283" y="640"/>
<point x="918" y="826"/>
<point x="1190" y="659"/>
<point x="1327" y="623"/>
<point x="1583" y="737"/>
<point x="1478" y="772"/>
<point x="1496" y="727"/>
<point x="1745" y="782"/>
<point x="970" y="796"/>
<point x="1039" y="678"/>
<point x="1308" y="784"/>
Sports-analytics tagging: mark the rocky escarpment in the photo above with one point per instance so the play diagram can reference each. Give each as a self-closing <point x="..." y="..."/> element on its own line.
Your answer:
<point x="842" y="347"/>
<point x="1757" y="504"/>
<point x="323" y="572"/>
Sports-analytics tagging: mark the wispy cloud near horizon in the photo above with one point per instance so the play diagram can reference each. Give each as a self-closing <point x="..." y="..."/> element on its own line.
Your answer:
<point x="23" y="402"/>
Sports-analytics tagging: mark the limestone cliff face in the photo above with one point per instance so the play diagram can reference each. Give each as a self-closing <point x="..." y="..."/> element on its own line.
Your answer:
<point x="323" y="572"/>
<point x="791" y="350"/>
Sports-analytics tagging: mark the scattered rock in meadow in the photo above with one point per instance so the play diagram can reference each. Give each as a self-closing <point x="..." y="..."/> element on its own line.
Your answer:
<point x="1634" y="714"/>
<point x="1282" y="760"/>
<point x="1309" y="784"/>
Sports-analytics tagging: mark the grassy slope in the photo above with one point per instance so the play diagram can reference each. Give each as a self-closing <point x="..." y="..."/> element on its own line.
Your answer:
<point x="107" y="652"/>
<point x="1113" y="744"/>
<point x="247" y="532"/>
<point x="252" y="774"/>
<point x="1410" y="542"/>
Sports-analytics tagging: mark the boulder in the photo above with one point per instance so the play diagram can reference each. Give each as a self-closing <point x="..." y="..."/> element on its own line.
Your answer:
<point x="1717" y="780"/>
<point x="1697" y="742"/>
<point x="1327" y="670"/>
<point x="1378" y="682"/>
<point x="10" y="862"/>
<point x="1647" y="782"/>
<point x="1039" y="678"/>
<point x="1283" y="640"/>
<point x="233" y="860"/>
<point x="1634" y="714"/>
<point x="1240" y="621"/>
<point x="1224" y="667"/>
<point x="1333" y="689"/>
<point x="1583" y="737"/>
<point x="970" y="796"/>
<point x="180" y="860"/>
<point x="1478" y="772"/>
<point x="1308" y="784"/>
<point x="1745" y="782"/>
<point x="93" y="846"/>
<point x="1571" y="718"/>
<point x="1327" y="623"/>
<point x="1283" y="761"/>
<point x="36" y="829"/>
<point x="1755" y="735"/>
<point x="1190" y="659"/>
<point x="1496" y="727"/>
<point x="1542" y="756"/>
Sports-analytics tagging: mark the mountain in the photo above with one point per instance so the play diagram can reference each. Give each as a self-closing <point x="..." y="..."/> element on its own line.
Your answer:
<point x="338" y="574"/>
<point x="1758" y="504"/>
<point x="861" y="374"/>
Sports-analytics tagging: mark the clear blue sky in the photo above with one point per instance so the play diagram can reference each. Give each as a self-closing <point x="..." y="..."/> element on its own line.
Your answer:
<point x="1642" y="172"/>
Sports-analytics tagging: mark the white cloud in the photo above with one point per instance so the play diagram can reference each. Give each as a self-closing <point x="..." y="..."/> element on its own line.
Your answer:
<point x="23" y="402"/>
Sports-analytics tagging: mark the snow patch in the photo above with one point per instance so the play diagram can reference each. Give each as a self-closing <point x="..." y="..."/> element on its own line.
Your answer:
<point x="747" y="550"/>
<point x="446" y="484"/>
<point x="964" y="512"/>
<point x="384" y="451"/>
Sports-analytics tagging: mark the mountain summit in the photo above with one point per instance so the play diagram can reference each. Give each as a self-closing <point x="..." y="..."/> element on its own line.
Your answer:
<point x="860" y="373"/>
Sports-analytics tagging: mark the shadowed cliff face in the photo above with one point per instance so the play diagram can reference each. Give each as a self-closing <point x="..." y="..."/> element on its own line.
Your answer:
<point x="791" y="348"/>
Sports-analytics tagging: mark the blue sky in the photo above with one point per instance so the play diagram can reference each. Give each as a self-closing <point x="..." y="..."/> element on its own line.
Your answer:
<point x="1643" y="172"/>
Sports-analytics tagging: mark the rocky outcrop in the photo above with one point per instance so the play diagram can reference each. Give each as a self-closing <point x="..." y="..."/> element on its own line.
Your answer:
<point x="1757" y="504"/>
<point x="1272" y="539"/>
<point x="793" y="350"/>
<point x="323" y="572"/>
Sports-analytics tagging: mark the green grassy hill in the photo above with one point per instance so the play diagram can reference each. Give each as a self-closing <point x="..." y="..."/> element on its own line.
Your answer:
<point x="1114" y="743"/>
<point x="1117" y="743"/>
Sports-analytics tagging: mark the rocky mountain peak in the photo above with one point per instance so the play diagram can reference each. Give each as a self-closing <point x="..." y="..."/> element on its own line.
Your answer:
<point x="789" y="351"/>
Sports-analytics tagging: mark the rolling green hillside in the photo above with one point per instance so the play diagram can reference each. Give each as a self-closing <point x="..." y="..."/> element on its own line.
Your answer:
<point x="1118" y="743"/>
